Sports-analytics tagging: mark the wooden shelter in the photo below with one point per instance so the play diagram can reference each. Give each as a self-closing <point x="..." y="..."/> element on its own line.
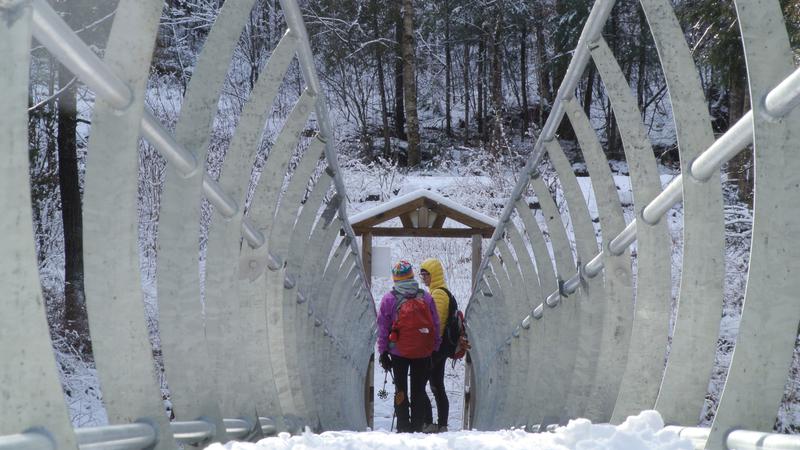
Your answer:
<point x="422" y="213"/>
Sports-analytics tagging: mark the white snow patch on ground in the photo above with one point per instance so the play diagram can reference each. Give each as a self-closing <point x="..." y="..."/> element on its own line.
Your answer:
<point x="645" y="431"/>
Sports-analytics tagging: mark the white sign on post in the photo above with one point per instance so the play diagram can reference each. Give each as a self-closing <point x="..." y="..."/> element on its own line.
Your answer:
<point x="382" y="262"/>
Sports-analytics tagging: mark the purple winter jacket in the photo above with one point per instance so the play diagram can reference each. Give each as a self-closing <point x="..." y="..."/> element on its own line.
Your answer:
<point x="385" y="320"/>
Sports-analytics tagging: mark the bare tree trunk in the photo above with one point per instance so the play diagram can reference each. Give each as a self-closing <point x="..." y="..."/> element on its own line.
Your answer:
<point x="481" y="111"/>
<point x="497" y="82"/>
<point x="523" y="76"/>
<point x="544" y="88"/>
<point x="399" y="108"/>
<point x="614" y="140"/>
<point x="614" y="149"/>
<point x="466" y="93"/>
<point x="381" y="80"/>
<point x="740" y="167"/>
<point x="410" y="83"/>
<point x="641" y="74"/>
<point x="76" y="321"/>
<point x="561" y="48"/>
<point x="276" y="32"/>
<point x="588" y="94"/>
<point x="252" y="49"/>
<point x="448" y="86"/>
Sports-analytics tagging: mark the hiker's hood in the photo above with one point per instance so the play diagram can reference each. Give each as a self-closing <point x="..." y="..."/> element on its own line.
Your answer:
<point x="434" y="267"/>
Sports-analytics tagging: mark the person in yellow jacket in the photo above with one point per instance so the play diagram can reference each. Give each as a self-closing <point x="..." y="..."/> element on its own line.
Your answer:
<point x="432" y="275"/>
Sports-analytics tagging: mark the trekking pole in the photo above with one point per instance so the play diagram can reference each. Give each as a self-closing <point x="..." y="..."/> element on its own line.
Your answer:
<point x="391" y="427"/>
<point x="382" y="394"/>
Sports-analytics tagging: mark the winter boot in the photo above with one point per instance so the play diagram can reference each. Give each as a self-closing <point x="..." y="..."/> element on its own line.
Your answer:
<point x="430" y="428"/>
<point x="401" y="410"/>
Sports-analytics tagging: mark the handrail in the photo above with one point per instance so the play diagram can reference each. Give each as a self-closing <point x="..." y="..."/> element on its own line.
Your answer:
<point x="594" y="25"/>
<point x="721" y="151"/>
<point x="136" y="436"/>
<point x="71" y="51"/>
<point x="740" y="439"/>
<point x="237" y="428"/>
<point x="736" y="139"/>
<point x="132" y="436"/>
<point x="192" y="431"/>
<point x="52" y="32"/>
<point x="32" y="440"/>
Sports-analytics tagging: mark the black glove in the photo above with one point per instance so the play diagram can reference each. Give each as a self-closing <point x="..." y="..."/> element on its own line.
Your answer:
<point x="385" y="361"/>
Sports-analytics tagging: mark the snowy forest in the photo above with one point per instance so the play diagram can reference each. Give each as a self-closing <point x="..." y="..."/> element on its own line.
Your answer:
<point x="448" y="95"/>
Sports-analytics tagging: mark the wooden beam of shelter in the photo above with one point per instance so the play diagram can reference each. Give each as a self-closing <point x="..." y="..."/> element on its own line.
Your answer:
<point x="439" y="221"/>
<point x="443" y="210"/>
<point x="425" y="232"/>
<point x="406" y="220"/>
<point x="391" y="213"/>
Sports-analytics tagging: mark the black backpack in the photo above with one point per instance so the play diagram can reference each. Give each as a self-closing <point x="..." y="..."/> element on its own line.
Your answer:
<point x="453" y="328"/>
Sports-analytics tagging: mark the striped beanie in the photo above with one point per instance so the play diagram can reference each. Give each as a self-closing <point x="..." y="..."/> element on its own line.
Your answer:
<point x="402" y="271"/>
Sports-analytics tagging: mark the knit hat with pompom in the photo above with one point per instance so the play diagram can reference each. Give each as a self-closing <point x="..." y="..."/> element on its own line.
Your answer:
<point x="402" y="271"/>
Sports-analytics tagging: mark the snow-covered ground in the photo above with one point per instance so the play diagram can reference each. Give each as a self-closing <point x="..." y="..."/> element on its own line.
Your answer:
<point x="644" y="431"/>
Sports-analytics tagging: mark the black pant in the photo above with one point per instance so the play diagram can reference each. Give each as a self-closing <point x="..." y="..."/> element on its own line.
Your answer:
<point x="436" y="378"/>
<point x="420" y="403"/>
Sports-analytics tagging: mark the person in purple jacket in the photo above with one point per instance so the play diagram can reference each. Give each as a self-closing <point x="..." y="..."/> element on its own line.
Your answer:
<point x="408" y="333"/>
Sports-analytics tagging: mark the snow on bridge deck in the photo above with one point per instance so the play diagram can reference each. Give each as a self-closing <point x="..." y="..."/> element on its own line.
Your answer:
<point x="644" y="431"/>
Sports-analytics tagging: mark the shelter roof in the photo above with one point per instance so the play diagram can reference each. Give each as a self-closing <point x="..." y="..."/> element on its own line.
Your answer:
<point x="423" y="213"/>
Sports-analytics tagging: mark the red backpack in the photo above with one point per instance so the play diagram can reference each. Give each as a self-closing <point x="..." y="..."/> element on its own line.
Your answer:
<point x="412" y="332"/>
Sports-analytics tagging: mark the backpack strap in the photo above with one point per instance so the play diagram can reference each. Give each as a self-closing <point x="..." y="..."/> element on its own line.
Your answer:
<point x="399" y="300"/>
<point x="452" y="306"/>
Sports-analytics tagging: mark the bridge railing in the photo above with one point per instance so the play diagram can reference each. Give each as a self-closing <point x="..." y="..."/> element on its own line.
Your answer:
<point x="550" y="342"/>
<point x="584" y="334"/>
<point x="285" y="312"/>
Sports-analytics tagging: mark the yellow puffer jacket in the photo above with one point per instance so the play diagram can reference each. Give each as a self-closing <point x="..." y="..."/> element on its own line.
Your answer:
<point x="434" y="267"/>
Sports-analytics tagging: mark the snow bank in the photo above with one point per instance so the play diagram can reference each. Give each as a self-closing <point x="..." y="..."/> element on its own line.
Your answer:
<point x="645" y="431"/>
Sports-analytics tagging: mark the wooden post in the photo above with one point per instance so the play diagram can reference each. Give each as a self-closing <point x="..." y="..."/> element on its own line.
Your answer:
<point x="477" y="242"/>
<point x="366" y="257"/>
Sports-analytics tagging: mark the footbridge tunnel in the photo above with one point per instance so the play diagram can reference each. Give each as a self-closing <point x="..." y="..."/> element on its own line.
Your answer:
<point x="574" y="330"/>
